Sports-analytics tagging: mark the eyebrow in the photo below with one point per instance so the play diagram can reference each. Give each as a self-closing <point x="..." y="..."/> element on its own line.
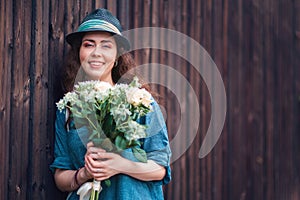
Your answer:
<point x="102" y="41"/>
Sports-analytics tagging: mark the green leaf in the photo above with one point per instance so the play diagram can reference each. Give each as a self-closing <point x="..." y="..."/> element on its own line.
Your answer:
<point x="140" y="154"/>
<point x="108" y="124"/>
<point x="134" y="143"/>
<point x="104" y="105"/>
<point x="114" y="134"/>
<point x="120" y="142"/>
<point x="107" y="182"/>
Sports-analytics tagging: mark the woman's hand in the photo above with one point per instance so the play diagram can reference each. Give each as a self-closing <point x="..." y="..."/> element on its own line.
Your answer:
<point x="102" y="165"/>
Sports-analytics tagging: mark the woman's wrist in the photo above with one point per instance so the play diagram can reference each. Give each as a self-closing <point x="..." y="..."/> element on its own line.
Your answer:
<point x="82" y="176"/>
<point x="76" y="177"/>
<point x="79" y="177"/>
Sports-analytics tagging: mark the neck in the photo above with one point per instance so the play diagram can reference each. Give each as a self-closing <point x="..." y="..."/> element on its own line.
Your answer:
<point x="108" y="80"/>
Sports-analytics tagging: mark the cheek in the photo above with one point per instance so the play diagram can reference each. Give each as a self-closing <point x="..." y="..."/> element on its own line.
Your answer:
<point x="83" y="55"/>
<point x="111" y="56"/>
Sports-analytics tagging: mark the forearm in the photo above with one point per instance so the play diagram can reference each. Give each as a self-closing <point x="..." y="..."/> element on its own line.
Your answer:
<point x="102" y="165"/>
<point x="65" y="179"/>
<point x="144" y="171"/>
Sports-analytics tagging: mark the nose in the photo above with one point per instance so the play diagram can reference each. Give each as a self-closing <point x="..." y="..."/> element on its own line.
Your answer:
<point x="97" y="51"/>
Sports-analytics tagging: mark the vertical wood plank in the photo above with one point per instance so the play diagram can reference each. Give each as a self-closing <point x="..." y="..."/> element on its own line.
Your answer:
<point x="19" y="118"/>
<point x="284" y="162"/>
<point x="56" y="52"/>
<point x="123" y="14"/>
<point x="247" y="51"/>
<point x="86" y="7"/>
<point x="198" y="84"/>
<point x="112" y="6"/>
<point x="225" y="75"/>
<point x="39" y="151"/>
<point x="254" y="99"/>
<point x="269" y="90"/>
<point x="191" y="153"/>
<point x="237" y="183"/>
<point x="6" y="42"/>
<point x="137" y="23"/>
<point x="207" y="37"/>
<point x="172" y="61"/>
<point x="219" y="50"/>
<point x="146" y="12"/>
<point x="183" y="24"/>
<point x="269" y="99"/>
<point x="100" y="4"/>
<point x="296" y="108"/>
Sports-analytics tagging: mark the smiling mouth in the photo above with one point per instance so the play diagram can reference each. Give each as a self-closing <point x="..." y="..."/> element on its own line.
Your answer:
<point x="96" y="63"/>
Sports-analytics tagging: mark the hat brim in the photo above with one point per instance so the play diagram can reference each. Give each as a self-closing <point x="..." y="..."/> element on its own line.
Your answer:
<point x="75" y="38"/>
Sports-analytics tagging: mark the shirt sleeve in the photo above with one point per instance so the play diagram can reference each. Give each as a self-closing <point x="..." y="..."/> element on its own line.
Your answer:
<point x="61" y="154"/>
<point x="156" y="144"/>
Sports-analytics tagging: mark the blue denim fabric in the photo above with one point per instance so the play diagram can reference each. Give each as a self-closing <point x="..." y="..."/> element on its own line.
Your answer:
<point x="70" y="148"/>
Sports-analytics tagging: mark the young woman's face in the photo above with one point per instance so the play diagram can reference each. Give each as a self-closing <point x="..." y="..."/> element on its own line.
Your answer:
<point x="97" y="54"/>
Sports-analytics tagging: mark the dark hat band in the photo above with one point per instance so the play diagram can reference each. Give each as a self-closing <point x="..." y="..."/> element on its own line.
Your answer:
<point x="94" y="24"/>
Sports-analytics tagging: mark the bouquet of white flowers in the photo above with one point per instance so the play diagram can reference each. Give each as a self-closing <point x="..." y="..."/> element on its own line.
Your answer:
<point x="110" y="113"/>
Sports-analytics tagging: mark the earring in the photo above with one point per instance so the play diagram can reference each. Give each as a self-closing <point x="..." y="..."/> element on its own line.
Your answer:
<point x="116" y="63"/>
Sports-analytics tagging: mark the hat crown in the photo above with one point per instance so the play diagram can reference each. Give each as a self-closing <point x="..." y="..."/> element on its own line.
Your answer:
<point x="103" y="14"/>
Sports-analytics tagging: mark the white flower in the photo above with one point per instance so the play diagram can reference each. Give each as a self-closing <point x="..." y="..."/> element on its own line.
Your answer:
<point x="71" y="97"/>
<point x="60" y="105"/>
<point x="102" y="86"/>
<point x="120" y="113"/>
<point x="135" y="131"/>
<point x="137" y="96"/>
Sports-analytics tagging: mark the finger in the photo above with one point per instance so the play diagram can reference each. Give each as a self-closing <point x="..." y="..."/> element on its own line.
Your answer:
<point x="90" y="144"/>
<point x="100" y="150"/>
<point x="94" y="163"/>
<point x="93" y="149"/>
<point x="87" y="173"/>
<point x="94" y="156"/>
<point x="105" y="155"/>
<point x="94" y="171"/>
<point x="88" y="169"/>
<point x="99" y="172"/>
<point x="101" y="177"/>
<point x="90" y="161"/>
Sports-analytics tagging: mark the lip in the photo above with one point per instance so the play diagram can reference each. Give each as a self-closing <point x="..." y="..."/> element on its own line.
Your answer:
<point x="96" y="63"/>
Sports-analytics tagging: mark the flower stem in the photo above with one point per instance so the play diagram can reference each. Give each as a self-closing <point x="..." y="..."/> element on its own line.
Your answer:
<point x="91" y="123"/>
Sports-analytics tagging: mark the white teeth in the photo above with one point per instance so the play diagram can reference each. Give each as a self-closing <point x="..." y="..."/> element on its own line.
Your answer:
<point x="96" y="63"/>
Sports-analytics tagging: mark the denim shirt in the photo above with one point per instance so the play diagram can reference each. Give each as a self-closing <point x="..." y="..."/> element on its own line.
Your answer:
<point x="70" y="148"/>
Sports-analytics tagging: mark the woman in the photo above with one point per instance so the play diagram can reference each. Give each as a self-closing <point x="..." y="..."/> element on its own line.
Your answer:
<point x="99" y="48"/>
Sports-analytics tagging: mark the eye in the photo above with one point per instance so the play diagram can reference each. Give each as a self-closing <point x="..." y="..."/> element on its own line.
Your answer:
<point x="87" y="44"/>
<point x="107" y="45"/>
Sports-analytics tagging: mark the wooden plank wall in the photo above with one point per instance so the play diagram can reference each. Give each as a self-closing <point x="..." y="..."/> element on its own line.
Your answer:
<point x="256" y="46"/>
